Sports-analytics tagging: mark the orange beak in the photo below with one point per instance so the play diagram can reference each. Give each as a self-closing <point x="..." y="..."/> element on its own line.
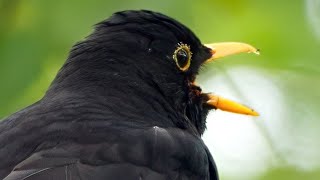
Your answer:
<point x="219" y="50"/>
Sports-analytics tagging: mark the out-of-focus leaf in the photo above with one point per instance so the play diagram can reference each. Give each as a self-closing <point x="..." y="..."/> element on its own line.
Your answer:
<point x="290" y="173"/>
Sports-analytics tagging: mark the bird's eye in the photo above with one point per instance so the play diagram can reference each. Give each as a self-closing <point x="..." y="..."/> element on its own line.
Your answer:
<point x="182" y="57"/>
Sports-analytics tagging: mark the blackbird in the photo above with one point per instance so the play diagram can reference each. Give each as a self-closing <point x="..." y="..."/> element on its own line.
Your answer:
<point x="124" y="105"/>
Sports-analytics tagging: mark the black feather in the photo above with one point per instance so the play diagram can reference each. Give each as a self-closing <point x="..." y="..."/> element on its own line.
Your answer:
<point x="119" y="108"/>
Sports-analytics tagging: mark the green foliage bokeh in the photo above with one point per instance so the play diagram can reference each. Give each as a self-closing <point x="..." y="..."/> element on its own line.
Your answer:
<point x="36" y="35"/>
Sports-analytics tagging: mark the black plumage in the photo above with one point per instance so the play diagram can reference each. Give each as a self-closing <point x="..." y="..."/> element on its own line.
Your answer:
<point x="119" y="108"/>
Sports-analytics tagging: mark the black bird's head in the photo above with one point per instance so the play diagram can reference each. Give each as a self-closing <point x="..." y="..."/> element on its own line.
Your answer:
<point x="147" y="62"/>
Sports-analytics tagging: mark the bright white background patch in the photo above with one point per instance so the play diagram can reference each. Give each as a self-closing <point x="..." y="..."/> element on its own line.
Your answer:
<point x="236" y="140"/>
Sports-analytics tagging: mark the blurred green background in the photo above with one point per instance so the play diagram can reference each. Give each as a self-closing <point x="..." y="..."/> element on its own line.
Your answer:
<point x="283" y="83"/>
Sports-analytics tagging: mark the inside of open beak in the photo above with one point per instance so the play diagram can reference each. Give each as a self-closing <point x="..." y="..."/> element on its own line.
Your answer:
<point x="219" y="50"/>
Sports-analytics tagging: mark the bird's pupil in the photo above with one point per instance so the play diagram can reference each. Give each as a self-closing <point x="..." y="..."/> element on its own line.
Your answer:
<point x="182" y="57"/>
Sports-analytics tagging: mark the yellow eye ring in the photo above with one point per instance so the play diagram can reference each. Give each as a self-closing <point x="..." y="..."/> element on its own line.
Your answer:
<point x="182" y="56"/>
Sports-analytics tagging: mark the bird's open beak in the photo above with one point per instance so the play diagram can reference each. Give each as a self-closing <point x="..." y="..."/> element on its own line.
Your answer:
<point x="219" y="50"/>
